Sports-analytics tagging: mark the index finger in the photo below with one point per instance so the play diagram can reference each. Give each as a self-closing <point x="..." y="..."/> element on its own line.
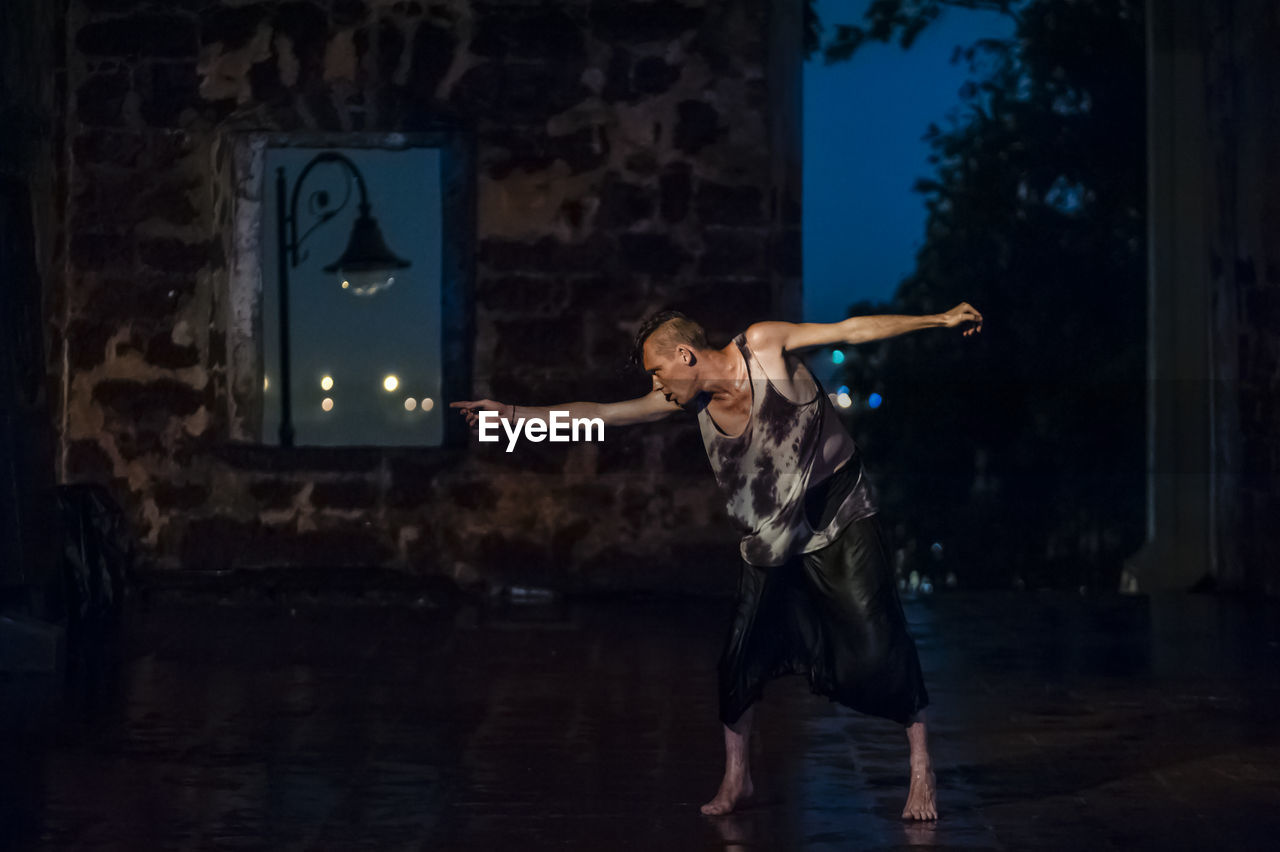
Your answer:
<point x="463" y="404"/>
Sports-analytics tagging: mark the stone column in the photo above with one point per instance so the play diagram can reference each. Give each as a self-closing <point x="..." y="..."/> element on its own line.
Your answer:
<point x="1176" y="554"/>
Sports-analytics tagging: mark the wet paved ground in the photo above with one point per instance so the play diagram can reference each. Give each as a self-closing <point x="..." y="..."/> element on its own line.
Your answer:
<point x="1056" y="723"/>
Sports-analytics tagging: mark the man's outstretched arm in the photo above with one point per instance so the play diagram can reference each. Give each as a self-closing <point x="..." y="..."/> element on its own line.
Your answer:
<point x="854" y="330"/>
<point x="644" y="409"/>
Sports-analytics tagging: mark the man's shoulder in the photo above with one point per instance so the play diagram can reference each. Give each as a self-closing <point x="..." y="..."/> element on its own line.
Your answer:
<point x="779" y="363"/>
<point x="766" y="336"/>
<point x="768" y="345"/>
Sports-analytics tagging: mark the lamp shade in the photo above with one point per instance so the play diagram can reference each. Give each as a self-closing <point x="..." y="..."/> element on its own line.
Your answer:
<point x="367" y="265"/>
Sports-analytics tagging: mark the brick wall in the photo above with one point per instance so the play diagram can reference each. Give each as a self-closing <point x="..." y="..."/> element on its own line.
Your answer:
<point x="629" y="155"/>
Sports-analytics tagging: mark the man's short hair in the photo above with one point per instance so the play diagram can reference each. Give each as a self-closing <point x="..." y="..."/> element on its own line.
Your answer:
<point x="671" y="328"/>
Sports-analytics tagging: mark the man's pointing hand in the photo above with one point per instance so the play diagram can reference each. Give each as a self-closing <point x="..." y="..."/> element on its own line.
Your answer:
<point x="471" y="409"/>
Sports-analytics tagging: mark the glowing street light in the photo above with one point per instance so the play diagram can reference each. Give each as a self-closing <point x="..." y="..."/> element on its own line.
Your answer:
<point x="326" y="383"/>
<point x="390" y="383"/>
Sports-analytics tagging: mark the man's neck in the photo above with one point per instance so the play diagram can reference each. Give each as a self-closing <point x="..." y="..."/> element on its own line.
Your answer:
<point x="728" y="373"/>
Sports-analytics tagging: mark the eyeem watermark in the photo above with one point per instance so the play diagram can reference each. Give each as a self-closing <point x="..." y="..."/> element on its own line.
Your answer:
<point x="559" y="428"/>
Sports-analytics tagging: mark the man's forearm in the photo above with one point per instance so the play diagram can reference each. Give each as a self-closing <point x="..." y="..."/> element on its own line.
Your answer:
<point x="884" y="326"/>
<point x="576" y="410"/>
<point x="644" y="409"/>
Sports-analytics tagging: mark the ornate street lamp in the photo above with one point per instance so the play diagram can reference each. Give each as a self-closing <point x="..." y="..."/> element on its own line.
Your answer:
<point x="365" y="268"/>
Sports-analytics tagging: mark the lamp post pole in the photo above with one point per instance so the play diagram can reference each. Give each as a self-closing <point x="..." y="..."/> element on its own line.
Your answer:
<point x="282" y="279"/>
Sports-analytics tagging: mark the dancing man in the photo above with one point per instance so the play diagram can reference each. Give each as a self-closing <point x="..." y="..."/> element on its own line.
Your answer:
<point x="816" y="592"/>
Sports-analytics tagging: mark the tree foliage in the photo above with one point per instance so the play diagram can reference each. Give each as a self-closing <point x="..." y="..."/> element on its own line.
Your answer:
<point x="1022" y="449"/>
<point x="904" y="20"/>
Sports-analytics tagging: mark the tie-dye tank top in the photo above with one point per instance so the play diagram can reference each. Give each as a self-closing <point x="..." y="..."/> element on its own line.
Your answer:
<point x="786" y="449"/>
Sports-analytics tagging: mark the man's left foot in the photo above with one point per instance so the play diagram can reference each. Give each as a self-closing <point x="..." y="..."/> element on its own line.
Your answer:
<point x="921" y="803"/>
<point x="733" y="792"/>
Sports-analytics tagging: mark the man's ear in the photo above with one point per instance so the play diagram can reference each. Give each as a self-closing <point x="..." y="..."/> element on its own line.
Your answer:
<point x="690" y="357"/>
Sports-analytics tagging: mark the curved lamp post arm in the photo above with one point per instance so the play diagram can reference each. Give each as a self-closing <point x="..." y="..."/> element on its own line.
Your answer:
<point x="320" y="200"/>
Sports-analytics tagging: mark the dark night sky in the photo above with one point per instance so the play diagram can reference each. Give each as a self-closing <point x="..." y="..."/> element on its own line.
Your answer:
<point x="863" y="123"/>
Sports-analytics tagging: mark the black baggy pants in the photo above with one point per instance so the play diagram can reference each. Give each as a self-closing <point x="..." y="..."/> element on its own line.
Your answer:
<point x="832" y="615"/>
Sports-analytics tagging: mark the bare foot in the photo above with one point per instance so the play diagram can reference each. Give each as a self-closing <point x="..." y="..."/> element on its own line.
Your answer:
<point x="920" y="798"/>
<point x="732" y="793"/>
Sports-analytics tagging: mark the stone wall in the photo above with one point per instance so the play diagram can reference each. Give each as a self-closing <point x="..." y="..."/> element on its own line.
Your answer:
<point x="629" y="156"/>
<point x="1244" y="214"/>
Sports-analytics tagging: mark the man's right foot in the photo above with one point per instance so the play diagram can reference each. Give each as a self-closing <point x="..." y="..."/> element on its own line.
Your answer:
<point x="731" y="795"/>
<point x="921" y="801"/>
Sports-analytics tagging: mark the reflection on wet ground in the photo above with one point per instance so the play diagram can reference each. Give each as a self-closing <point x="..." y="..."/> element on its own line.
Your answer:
<point x="1056" y="723"/>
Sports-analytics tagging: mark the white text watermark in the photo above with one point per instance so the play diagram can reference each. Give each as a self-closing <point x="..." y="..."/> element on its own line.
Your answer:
<point x="558" y="428"/>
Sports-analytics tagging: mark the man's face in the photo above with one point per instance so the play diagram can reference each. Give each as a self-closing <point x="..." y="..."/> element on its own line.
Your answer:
<point x="671" y="372"/>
